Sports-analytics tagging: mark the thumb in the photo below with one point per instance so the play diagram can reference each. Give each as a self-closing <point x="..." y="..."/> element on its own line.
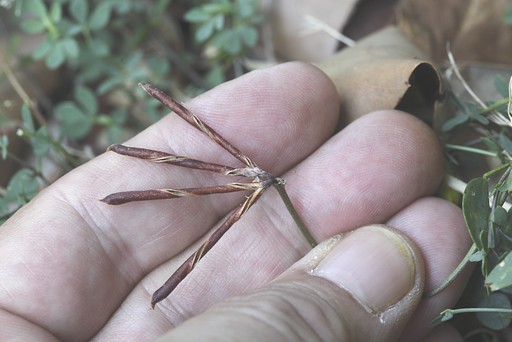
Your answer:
<point x="363" y="286"/>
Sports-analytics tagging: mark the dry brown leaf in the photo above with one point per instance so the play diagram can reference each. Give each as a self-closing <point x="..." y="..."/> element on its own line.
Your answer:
<point x="383" y="71"/>
<point x="475" y="29"/>
<point x="289" y="27"/>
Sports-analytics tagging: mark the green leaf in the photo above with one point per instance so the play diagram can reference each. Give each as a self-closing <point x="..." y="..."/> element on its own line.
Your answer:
<point x="115" y="129"/>
<point x="22" y="187"/>
<point x="36" y="7"/>
<point x="133" y="60"/>
<point x="100" y="16"/>
<point x="475" y="208"/>
<point x="490" y="143"/>
<point x="505" y="142"/>
<point x="101" y="48"/>
<point x="229" y="41"/>
<point x="480" y="118"/>
<point x="55" y="58"/>
<point x="109" y="84"/>
<point x="215" y="76"/>
<point x="246" y="8"/>
<point x="500" y="216"/>
<point x="501" y="276"/>
<point x="476" y="257"/>
<point x="32" y="26"/>
<point x="249" y="35"/>
<point x="218" y="22"/>
<point x="73" y="29"/>
<point x="501" y="85"/>
<point x="69" y="47"/>
<point x="56" y="11"/>
<point x="75" y="123"/>
<point x="159" y="66"/>
<point x="196" y="15"/>
<point x="204" y="31"/>
<point x="4" y="143"/>
<point x="492" y="320"/>
<point x="221" y="7"/>
<point x="87" y="99"/>
<point x="454" y="122"/>
<point x="26" y="117"/>
<point x="42" y="50"/>
<point x="78" y="9"/>
<point x="40" y="142"/>
<point x="507" y="186"/>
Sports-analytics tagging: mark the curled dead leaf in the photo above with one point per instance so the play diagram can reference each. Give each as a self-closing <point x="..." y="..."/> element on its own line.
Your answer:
<point x="384" y="71"/>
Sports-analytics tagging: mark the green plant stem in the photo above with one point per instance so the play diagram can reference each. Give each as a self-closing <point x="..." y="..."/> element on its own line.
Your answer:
<point x="470" y="149"/>
<point x="470" y="310"/>
<point x="496" y="170"/>
<point x="70" y="158"/>
<point x="53" y="32"/>
<point x="453" y="275"/>
<point x="279" y="185"/>
<point x="9" y="74"/>
<point x="493" y="107"/>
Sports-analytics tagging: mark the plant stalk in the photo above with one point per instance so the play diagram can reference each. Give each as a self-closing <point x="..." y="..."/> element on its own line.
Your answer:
<point x="279" y="185"/>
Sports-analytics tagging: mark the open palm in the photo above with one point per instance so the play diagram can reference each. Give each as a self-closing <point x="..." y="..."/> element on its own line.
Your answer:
<point x="74" y="268"/>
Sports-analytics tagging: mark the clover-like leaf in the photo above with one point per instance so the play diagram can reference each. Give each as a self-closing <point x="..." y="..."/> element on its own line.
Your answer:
<point x="55" y="57"/>
<point x="79" y="10"/>
<point x="100" y="16"/>
<point x="4" y="143"/>
<point x="501" y="85"/>
<point x="69" y="47"/>
<point x="501" y="276"/>
<point x="495" y="320"/>
<point x="26" y="117"/>
<point x="32" y="26"/>
<point x="475" y="207"/>
<point x="36" y="7"/>
<point x="22" y="186"/>
<point x="196" y="15"/>
<point x="75" y="123"/>
<point x="454" y="122"/>
<point x="87" y="100"/>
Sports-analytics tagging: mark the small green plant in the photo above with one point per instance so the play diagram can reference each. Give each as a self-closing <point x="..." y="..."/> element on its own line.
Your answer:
<point x="107" y="47"/>
<point x="227" y="29"/>
<point x="486" y="203"/>
<point x="26" y="182"/>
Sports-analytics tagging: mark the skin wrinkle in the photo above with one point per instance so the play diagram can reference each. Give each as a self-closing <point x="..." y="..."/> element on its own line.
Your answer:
<point x="289" y="323"/>
<point x="298" y="311"/>
<point x="118" y="254"/>
<point x="282" y="327"/>
<point x="33" y="325"/>
<point x="276" y="321"/>
<point x="300" y="307"/>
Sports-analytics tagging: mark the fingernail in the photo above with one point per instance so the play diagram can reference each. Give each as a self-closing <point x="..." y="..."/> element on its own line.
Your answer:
<point x="374" y="264"/>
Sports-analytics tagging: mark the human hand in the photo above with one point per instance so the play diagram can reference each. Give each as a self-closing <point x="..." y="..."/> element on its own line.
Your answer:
<point x="74" y="268"/>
